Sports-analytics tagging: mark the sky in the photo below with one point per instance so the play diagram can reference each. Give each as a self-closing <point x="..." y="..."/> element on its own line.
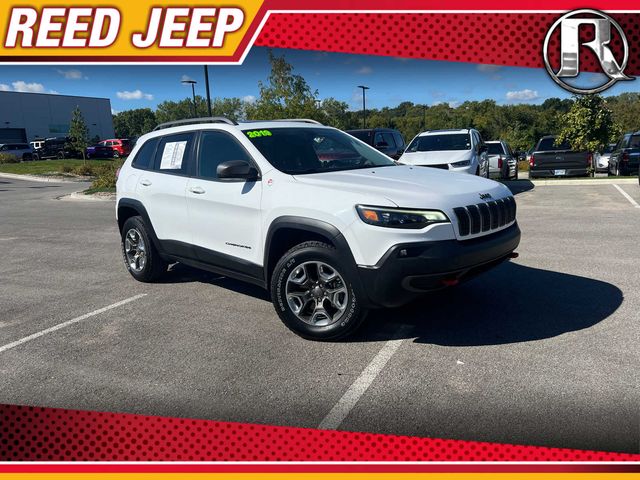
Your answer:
<point x="391" y="80"/>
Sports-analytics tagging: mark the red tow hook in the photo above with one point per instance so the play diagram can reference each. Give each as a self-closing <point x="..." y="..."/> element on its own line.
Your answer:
<point x="514" y="255"/>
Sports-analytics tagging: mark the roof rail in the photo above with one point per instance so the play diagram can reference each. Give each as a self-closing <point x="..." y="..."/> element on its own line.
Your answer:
<point x="195" y="121"/>
<point x="301" y="120"/>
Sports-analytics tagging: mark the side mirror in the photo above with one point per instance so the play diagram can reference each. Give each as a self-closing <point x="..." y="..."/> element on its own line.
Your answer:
<point x="237" y="169"/>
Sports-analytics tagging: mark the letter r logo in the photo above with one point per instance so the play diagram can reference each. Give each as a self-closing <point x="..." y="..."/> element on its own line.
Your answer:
<point x="570" y="46"/>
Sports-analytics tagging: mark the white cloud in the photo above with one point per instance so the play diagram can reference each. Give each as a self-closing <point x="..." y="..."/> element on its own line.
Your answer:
<point x="72" y="74"/>
<point x="186" y="78"/>
<point x="525" y="95"/>
<point x="249" y="99"/>
<point x="451" y="103"/>
<point x="21" y="86"/>
<point x="26" y="87"/>
<point x="134" y="95"/>
<point x="114" y="111"/>
<point x="364" y="70"/>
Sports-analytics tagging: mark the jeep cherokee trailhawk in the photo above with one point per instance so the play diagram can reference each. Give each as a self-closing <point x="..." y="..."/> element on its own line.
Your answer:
<point x="328" y="224"/>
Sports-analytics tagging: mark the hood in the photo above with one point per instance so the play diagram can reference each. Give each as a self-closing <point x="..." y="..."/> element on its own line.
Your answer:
<point x="435" y="158"/>
<point x="409" y="187"/>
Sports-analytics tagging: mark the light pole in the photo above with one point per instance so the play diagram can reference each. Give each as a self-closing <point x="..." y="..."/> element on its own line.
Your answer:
<point x="193" y="91"/>
<point x="364" y="105"/>
<point x="206" y="81"/>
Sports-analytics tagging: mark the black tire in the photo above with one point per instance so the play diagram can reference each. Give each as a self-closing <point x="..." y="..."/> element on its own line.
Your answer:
<point x="515" y="175"/>
<point x="116" y="154"/>
<point x="306" y="253"/>
<point x="154" y="266"/>
<point x="478" y="171"/>
<point x="60" y="155"/>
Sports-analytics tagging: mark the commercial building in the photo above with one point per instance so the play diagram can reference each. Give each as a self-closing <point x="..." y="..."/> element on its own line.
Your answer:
<point x="25" y="117"/>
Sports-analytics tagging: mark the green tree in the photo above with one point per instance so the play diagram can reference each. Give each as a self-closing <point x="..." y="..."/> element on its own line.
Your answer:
<point x="284" y="95"/>
<point x="134" y="123"/>
<point x="589" y="124"/>
<point x="78" y="133"/>
<point x="169" y="111"/>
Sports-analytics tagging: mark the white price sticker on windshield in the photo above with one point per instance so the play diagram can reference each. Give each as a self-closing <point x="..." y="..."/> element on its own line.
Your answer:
<point x="172" y="155"/>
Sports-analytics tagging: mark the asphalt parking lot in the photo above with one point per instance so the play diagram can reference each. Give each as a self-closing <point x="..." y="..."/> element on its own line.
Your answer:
<point x="543" y="350"/>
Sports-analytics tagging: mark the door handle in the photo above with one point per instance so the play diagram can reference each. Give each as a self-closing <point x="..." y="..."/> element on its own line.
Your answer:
<point x="145" y="182"/>
<point x="197" y="190"/>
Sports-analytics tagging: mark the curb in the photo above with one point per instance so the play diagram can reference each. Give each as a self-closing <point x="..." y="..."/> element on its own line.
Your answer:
<point x="81" y="197"/>
<point x="39" y="178"/>
<point x="571" y="182"/>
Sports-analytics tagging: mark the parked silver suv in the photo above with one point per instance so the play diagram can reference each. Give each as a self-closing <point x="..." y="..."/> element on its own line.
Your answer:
<point x="21" y="151"/>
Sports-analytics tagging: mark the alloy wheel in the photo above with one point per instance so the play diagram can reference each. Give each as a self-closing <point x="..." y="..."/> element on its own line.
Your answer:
<point x="316" y="293"/>
<point x="135" y="250"/>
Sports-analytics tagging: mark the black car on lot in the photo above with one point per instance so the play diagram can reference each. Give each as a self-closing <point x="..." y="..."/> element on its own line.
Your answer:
<point x="552" y="159"/>
<point x="625" y="158"/>
<point x="57" y="147"/>
<point x="386" y="140"/>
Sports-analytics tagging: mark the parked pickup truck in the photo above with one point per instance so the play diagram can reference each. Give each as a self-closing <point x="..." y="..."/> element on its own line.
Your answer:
<point x="625" y="158"/>
<point x="551" y="160"/>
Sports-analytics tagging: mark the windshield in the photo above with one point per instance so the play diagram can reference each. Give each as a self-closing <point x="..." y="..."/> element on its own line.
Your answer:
<point x="436" y="143"/>
<point x="312" y="150"/>
<point x="495" y="149"/>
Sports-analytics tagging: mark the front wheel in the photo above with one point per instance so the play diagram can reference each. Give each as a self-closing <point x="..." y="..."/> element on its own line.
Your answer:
<point x="314" y="295"/>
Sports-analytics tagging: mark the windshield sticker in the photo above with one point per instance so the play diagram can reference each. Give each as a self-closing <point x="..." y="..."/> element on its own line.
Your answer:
<point x="172" y="156"/>
<point x="258" y="133"/>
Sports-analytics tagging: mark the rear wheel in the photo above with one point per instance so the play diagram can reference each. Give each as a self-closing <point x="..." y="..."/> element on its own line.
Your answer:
<point x="140" y="255"/>
<point x="60" y="155"/>
<point x="314" y="295"/>
<point x="116" y="154"/>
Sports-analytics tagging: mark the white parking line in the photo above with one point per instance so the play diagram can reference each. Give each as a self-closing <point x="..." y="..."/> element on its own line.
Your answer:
<point x="627" y="196"/>
<point x="340" y="410"/>
<point x="59" y="326"/>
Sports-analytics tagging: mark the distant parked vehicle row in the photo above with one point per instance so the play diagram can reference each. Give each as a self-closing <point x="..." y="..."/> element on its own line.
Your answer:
<point x="111" y="148"/>
<point x="503" y="163"/>
<point x="20" y="151"/>
<point x="625" y="158"/>
<point x="551" y="159"/>
<point x="386" y="140"/>
<point x="56" y="147"/>
<point x="456" y="150"/>
<point x="601" y="159"/>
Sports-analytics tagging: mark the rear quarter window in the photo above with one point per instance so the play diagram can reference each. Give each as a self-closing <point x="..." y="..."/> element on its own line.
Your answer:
<point x="146" y="154"/>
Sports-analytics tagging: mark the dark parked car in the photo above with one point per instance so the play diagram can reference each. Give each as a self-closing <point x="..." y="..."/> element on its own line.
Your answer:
<point x="386" y="140"/>
<point x="99" y="150"/>
<point x="625" y="158"/>
<point x="57" y="147"/>
<point x="550" y="159"/>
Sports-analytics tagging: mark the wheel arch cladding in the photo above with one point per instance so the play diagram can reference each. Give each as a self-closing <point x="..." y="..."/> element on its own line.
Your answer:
<point x="127" y="208"/>
<point x="288" y="231"/>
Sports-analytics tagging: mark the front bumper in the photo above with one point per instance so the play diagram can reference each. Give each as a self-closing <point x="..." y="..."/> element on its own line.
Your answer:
<point x="407" y="271"/>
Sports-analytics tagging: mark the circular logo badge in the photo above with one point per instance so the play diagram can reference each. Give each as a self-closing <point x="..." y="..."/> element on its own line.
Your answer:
<point x="571" y="45"/>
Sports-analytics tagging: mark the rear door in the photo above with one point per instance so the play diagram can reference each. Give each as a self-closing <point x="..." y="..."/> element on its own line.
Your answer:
<point x="162" y="189"/>
<point x="224" y="214"/>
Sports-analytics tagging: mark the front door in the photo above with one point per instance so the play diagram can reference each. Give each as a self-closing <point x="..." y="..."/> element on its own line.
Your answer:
<point x="224" y="214"/>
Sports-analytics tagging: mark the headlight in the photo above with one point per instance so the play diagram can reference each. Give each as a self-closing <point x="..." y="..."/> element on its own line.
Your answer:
<point x="463" y="163"/>
<point x="399" y="218"/>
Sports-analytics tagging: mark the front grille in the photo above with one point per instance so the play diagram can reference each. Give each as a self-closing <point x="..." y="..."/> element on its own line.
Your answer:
<point x="442" y="166"/>
<point x="485" y="217"/>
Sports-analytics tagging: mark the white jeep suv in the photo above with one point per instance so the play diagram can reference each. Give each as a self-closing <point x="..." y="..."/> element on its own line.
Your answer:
<point x="459" y="150"/>
<point x="328" y="224"/>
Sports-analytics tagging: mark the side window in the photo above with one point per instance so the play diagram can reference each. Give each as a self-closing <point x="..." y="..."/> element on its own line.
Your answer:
<point x="387" y="137"/>
<point x="216" y="148"/>
<point x="144" y="157"/>
<point x="173" y="154"/>
<point x="377" y="140"/>
<point x="399" y="140"/>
